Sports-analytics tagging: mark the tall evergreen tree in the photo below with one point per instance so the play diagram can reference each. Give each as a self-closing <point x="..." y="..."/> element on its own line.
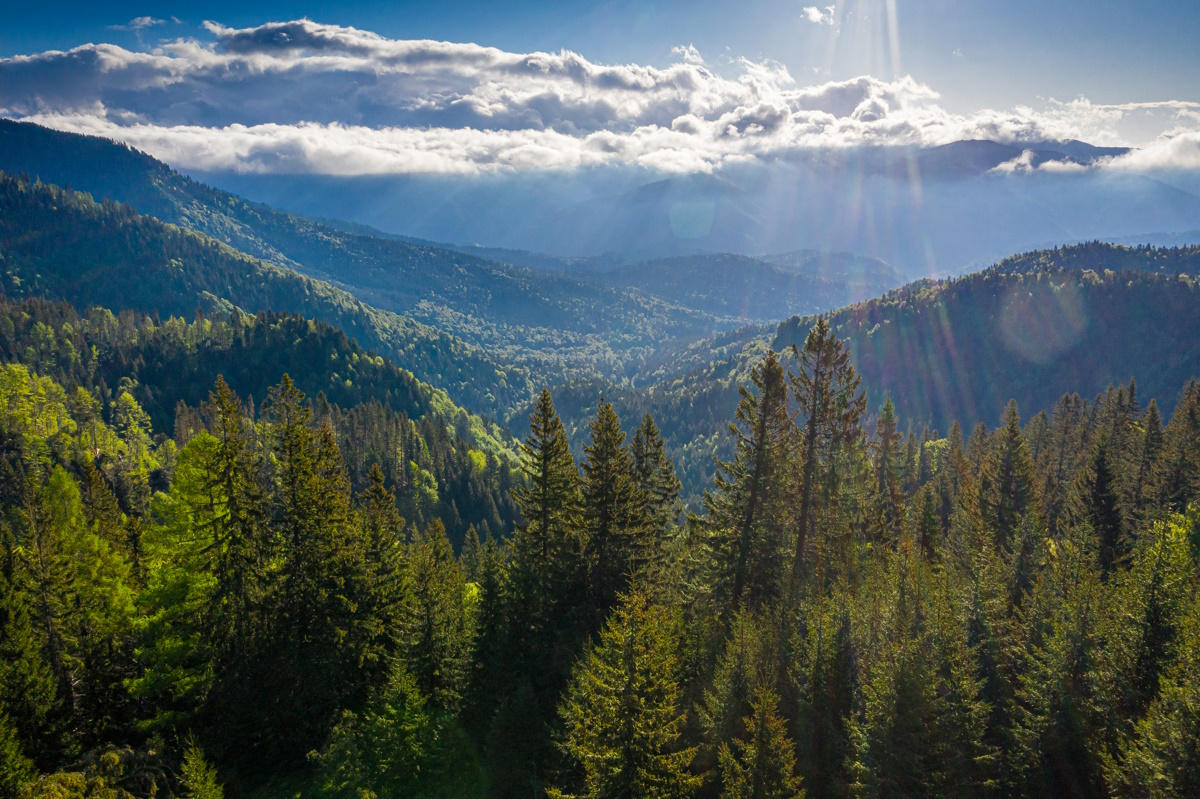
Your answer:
<point x="655" y="476"/>
<point x="1007" y="490"/>
<point x="614" y="512"/>
<point x="621" y="711"/>
<point x="831" y="406"/>
<point x="763" y="766"/>
<point x="747" y="511"/>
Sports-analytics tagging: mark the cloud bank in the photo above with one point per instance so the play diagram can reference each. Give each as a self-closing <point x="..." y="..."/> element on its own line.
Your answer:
<point x="304" y="97"/>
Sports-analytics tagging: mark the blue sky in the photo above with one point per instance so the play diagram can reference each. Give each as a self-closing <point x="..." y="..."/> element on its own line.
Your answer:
<point x="974" y="52"/>
<point x="757" y="80"/>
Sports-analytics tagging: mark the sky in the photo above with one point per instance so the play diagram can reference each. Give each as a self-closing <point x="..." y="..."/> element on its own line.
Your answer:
<point x="674" y="86"/>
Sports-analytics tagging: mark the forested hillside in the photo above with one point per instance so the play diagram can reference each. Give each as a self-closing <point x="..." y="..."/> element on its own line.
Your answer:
<point x="137" y="371"/>
<point x="855" y="613"/>
<point x="565" y="325"/>
<point x="1033" y="328"/>
<point x="747" y="288"/>
<point x="582" y="322"/>
<point x="61" y="244"/>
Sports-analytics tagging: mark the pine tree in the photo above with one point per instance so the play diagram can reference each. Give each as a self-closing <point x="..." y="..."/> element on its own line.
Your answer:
<point x="614" y="512"/>
<point x="1177" y="474"/>
<point x="747" y="511"/>
<point x="656" y="478"/>
<point x="197" y="778"/>
<point x="1147" y="456"/>
<point x="1096" y="502"/>
<point x="470" y="555"/>
<point x="764" y="765"/>
<point x="546" y="544"/>
<point x="889" y="494"/>
<point x="1161" y="757"/>
<point x="15" y="768"/>
<point x="436" y="625"/>
<point x="383" y="529"/>
<point x="827" y="390"/>
<point x="317" y="635"/>
<point x="1007" y="490"/>
<point x="621" y="711"/>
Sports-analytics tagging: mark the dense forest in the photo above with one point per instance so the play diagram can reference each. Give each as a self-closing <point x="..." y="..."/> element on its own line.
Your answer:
<point x="1032" y="328"/>
<point x="1011" y="611"/>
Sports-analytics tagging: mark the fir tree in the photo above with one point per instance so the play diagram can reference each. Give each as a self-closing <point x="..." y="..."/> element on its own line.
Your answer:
<point x="656" y="478"/>
<point x="621" y="711"/>
<point x="763" y="766"/>
<point x="614" y="512"/>
<point x="827" y="390"/>
<point x="747" y="511"/>
<point x="197" y="778"/>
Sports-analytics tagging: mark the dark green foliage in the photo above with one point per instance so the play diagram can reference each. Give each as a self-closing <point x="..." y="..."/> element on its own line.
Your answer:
<point x="615" y="530"/>
<point x="61" y="245"/>
<point x="1011" y="615"/>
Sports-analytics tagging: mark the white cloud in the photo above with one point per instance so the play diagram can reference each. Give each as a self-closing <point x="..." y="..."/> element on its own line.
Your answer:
<point x="138" y="24"/>
<point x="688" y="53"/>
<point x="305" y="97"/>
<point x="819" y="16"/>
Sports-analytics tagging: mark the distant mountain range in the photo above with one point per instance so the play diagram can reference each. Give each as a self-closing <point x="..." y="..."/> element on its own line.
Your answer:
<point x="555" y="318"/>
<point x="926" y="211"/>
<point x="1032" y="327"/>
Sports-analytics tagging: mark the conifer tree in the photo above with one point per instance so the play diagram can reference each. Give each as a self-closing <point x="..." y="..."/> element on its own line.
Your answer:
<point x="831" y="406"/>
<point x="550" y="503"/>
<point x="621" y="711"/>
<point x="1008" y="491"/>
<point x="383" y="529"/>
<point x="655" y="476"/>
<point x="1161" y="757"/>
<point x="1096" y="502"/>
<point x="436" y="624"/>
<point x="614" y="512"/>
<point x="15" y="768"/>
<point x="28" y="692"/>
<point x="747" y="511"/>
<point x="1147" y="457"/>
<point x="889" y="494"/>
<point x="1177" y="476"/>
<point x="469" y="557"/>
<point x="762" y="766"/>
<point x="197" y="778"/>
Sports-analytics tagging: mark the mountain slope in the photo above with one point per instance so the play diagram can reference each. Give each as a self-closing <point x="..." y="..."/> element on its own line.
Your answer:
<point x="758" y="289"/>
<point x="62" y="245"/>
<point x="528" y="314"/>
<point x="1033" y="328"/>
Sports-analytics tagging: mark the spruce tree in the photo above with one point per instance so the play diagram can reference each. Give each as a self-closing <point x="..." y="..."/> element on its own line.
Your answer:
<point x="763" y="765"/>
<point x="197" y="778"/>
<point x="889" y="493"/>
<point x="1007" y="489"/>
<point x="831" y="406"/>
<point x="436" y="625"/>
<point x="747" y="511"/>
<point x="621" y="712"/>
<point x="655" y="476"/>
<point x="614" y="512"/>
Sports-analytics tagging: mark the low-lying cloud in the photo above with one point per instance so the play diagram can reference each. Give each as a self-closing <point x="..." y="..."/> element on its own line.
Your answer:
<point x="299" y="97"/>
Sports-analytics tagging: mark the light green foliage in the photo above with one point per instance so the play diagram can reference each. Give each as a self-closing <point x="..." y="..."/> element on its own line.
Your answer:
<point x="621" y="712"/>
<point x="196" y="777"/>
<point x="763" y="765"/>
